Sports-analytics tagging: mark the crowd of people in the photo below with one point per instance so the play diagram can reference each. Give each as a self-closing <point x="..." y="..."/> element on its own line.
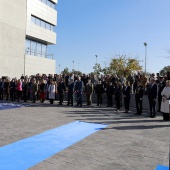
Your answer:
<point x="45" y="87"/>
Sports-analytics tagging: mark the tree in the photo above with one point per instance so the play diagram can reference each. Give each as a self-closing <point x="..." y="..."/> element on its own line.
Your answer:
<point x="97" y="69"/>
<point x="124" y="66"/>
<point x="165" y="70"/>
<point x="65" y="71"/>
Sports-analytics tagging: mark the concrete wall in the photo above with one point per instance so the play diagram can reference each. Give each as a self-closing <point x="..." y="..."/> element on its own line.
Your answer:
<point x="12" y="36"/>
<point x="44" y="12"/>
<point x="34" y="65"/>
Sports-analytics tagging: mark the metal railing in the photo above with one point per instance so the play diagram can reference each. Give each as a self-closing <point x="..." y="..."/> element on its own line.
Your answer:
<point x="38" y="54"/>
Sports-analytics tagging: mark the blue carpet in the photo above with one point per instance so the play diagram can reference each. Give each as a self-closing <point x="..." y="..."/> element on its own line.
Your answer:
<point x="4" y="106"/>
<point x="28" y="152"/>
<point x="160" y="167"/>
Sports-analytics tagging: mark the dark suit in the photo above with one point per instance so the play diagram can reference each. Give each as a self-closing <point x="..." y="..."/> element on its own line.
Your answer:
<point x="70" y="93"/>
<point x="161" y="86"/>
<point x="126" y="93"/>
<point x="152" y="94"/>
<point x="110" y="91"/>
<point x="61" y="89"/>
<point x="99" y="91"/>
<point x="138" y="99"/>
<point x="118" y="97"/>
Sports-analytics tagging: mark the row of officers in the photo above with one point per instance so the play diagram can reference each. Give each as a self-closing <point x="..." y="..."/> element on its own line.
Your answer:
<point x="117" y="91"/>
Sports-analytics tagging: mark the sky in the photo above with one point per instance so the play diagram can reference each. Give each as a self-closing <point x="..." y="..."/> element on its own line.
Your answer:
<point x="109" y="28"/>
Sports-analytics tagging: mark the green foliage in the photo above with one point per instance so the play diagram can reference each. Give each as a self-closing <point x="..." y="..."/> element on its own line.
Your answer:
<point x="97" y="69"/>
<point x="165" y="70"/>
<point x="124" y="66"/>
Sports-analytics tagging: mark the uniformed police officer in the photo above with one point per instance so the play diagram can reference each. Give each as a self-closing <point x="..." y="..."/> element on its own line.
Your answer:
<point x="138" y="97"/>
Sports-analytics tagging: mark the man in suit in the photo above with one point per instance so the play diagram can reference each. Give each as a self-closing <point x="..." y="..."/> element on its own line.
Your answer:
<point x="110" y="92"/>
<point x="138" y="97"/>
<point x="79" y="88"/>
<point x="61" y="90"/>
<point x="70" y="91"/>
<point x="152" y="95"/>
<point x="161" y="86"/>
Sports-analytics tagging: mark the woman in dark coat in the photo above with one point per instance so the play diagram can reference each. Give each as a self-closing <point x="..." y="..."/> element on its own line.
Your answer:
<point x="118" y="95"/>
<point x="126" y="94"/>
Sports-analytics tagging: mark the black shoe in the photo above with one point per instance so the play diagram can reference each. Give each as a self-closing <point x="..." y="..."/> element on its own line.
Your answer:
<point x="136" y="113"/>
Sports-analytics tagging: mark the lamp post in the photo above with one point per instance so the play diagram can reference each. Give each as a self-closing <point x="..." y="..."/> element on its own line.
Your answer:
<point x="145" y="44"/>
<point x="78" y="65"/>
<point x="59" y="69"/>
<point x="96" y="59"/>
<point x="73" y="66"/>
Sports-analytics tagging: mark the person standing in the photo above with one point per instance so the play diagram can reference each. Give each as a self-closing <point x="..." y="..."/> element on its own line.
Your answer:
<point x="79" y="90"/>
<point x="152" y="95"/>
<point x="42" y="91"/>
<point x="99" y="91"/>
<point x="25" y="90"/>
<point x="70" y="92"/>
<point x="34" y="90"/>
<point x="161" y="86"/>
<point x="118" y="95"/>
<point x="110" y="92"/>
<point x="138" y="97"/>
<point x="7" y="88"/>
<point x="89" y="91"/>
<point x="19" y="89"/>
<point x="52" y="91"/>
<point x="165" y="101"/>
<point x="61" y="88"/>
<point x="127" y="96"/>
<point x="13" y="90"/>
<point x="1" y="89"/>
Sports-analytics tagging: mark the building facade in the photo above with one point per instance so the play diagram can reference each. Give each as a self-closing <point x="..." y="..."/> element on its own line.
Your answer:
<point x="26" y="31"/>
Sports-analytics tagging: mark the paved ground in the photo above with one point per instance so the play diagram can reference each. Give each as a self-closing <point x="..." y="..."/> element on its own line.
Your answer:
<point x="128" y="143"/>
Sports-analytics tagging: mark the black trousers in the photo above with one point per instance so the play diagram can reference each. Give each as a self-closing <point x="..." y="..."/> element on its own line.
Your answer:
<point x="70" y="98"/>
<point x="61" y="98"/>
<point x="1" y="93"/>
<point x="126" y="102"/>
<point x="138" y="105"/>
<point x="99" y="99"/>
<point x="109" y="100"/>
<point x="19" y="93"/>
<point x="159" y="102"/>
<point x="118" y="103"/>
<point x="152" y="106"/>
<point x="166" y="116"/>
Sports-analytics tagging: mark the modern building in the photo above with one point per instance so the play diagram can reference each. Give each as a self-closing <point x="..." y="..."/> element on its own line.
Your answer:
<point x="26" y="31"/>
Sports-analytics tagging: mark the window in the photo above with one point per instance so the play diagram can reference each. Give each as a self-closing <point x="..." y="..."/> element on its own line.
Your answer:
<point x="42" y="23"/>
<point x="35" y="48"/>
<point x="38" y="22"/>
<point x="33" y="19"/>
<point x="47" y="26"/>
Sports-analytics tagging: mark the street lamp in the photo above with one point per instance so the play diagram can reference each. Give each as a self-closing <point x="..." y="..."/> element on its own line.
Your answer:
<point x="73" y="66"/>
<point x="145" y="44"/>
<point x="59" y="69"/>
<point x="96" y="59"/>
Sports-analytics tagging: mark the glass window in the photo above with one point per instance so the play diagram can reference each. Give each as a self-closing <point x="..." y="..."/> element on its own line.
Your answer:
<point x="48" y="26"/>
<point x="43" y="24"/>
<point x="44" y="50"/>
<point x="28" y="46"/>
<point x="38" y="49"/>
<point x="38" y="22"/>
<point x="33" y="48"/>
<point x="33" y="19"/>
<point x="52" y="28"/>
